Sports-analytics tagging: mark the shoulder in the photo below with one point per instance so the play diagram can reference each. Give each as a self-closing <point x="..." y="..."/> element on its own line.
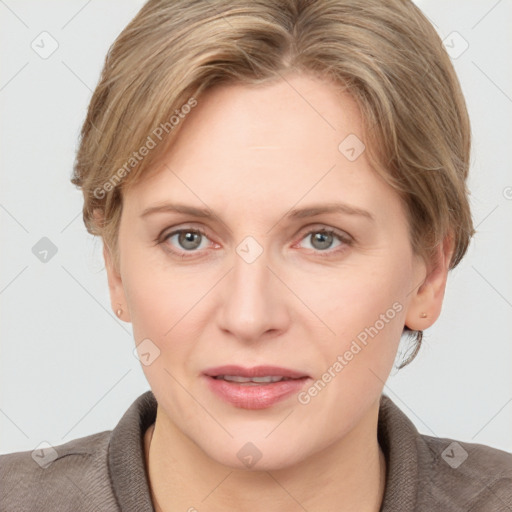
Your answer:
<point x="471" y="476"/>
<point x="70" y="476"/>
<point x="428" y="473"/>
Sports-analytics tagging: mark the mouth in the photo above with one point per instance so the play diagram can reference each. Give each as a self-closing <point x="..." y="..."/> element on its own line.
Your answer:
<point x="258" y="387"/>
<point x="256" y="373"/>
<point x="268" y="379"/>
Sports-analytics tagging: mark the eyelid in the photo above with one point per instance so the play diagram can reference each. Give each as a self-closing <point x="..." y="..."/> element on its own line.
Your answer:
<point x="163" y="236"/>
<point x="304" y="230"/>
<point x="318" y="227"/>
<point x="346" y="240"/>
<point x="343" y="236"/>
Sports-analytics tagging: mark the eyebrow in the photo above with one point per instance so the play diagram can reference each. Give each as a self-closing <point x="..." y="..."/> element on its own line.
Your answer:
<point x="296" y="213"/>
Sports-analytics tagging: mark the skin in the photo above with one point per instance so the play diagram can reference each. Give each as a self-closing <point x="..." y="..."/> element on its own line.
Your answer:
<point x="250" y="154"/>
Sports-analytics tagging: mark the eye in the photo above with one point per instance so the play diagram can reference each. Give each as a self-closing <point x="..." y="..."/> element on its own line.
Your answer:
<point x="190" y="240"/>
<point x="322" y="239"/>
<point x="187" y="240"/>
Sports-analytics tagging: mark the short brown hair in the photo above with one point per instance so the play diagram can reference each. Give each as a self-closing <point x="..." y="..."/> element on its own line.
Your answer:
<point x="387" y="55"/>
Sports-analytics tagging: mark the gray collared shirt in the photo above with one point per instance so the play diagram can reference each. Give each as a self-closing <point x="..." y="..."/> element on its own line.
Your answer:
<point x="105" y="472"/>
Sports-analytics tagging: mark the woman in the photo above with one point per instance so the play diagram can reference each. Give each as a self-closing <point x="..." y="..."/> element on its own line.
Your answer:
<point x="281" y="192"/>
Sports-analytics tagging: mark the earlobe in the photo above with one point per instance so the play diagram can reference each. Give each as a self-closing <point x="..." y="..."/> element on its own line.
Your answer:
<point x="115" y="285"/>
<point x="425" y="306"/>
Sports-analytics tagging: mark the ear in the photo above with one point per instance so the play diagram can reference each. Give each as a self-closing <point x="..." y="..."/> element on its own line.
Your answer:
<point x="115" y="285"/>
<point x="427" y="299"/>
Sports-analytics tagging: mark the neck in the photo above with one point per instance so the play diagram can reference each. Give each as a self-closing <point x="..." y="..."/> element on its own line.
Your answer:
<point x="351" y="474"/>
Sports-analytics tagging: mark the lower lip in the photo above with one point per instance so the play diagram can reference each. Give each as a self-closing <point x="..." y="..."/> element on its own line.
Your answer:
<point x="255" y="396"/>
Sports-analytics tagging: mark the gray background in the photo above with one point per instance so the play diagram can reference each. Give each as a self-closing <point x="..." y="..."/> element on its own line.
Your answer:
<point x="67" y="367"/>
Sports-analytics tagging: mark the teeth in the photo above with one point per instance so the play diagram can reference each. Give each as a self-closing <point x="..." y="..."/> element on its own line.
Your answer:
<point x="237" y="378"/>
<point x="267" y="379"/>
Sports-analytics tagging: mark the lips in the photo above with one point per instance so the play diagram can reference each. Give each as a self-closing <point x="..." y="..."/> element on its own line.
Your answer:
<point x="255" y="371"/>
<point x="258" y="387"/>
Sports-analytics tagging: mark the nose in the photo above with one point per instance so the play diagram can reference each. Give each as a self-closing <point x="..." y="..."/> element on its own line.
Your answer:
<point x="254" y="301"/>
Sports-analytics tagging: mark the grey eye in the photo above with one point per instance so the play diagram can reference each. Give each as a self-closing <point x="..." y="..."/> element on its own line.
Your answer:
<point x="189" y="239"/>
<point x="321" y="240"/>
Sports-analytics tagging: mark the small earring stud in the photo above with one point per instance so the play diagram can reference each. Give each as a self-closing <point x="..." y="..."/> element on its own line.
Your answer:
<point x="119" y="312"/>
<point x="423" y="315"/>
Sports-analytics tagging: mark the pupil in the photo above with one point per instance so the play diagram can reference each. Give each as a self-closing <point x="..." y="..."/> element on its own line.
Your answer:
<point x="188" y="238"/>
<point x="324" y="239"/>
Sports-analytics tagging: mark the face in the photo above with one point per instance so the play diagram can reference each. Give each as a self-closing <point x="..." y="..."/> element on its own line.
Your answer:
<point x="268" y="279"/>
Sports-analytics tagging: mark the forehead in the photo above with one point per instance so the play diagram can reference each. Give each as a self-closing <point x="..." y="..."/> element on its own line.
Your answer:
<point x="252" y="147"/>
<point x="293" y="115"/>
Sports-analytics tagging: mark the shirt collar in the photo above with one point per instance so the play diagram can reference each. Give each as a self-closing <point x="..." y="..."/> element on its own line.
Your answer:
<point x="126" y="455"/>
<point x="397" y="437"/>
<point x="396" y="434"/>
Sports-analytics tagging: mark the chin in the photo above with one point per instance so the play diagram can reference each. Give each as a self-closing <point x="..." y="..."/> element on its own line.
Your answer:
<point x="255" y="456"/>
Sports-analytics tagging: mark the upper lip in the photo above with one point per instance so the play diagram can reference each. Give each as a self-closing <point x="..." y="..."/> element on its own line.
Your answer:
<point x="255" y="371"/>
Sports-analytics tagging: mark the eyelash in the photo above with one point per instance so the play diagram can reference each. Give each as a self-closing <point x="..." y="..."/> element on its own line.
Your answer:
<point x="324" y="254"/>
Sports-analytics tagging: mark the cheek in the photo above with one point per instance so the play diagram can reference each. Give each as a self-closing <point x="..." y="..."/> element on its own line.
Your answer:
<point x="158" y="323"/>
<point x="157" y="296"/>
<point x="365" y="309"/>
<point x="164" y="309"/>
<point x="359" y="303"/>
